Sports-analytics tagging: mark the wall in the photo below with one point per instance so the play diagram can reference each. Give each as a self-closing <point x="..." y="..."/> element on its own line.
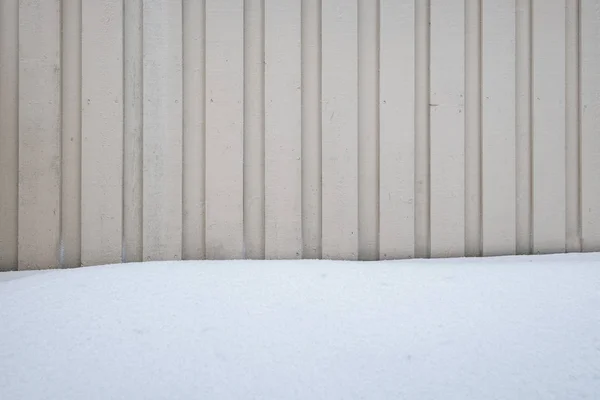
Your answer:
<point x="166" y="129"/>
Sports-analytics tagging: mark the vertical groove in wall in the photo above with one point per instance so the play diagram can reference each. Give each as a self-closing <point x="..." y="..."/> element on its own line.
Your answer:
<point x="422" y="134"/>
<point x="9" y="133"/>
<point x="524" y="126"/>
<point x="194" y="139"/>
<point x="254" y="124"/>
<point x="70" y="247"/>
<point x="368" y="129"/>
<point x="573" y="132"/>
<point x="473" y="168"/>
<point x="311" y="129"/>
<point x="61" y="135"/>
<point x="132" y="130"/>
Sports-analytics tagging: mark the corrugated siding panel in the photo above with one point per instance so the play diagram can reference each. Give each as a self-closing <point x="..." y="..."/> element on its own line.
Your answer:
<point x="162" y="129"/>
<point x="102" y="132"/>
<point x="39" y="155"/>
<point x="498" y="128"/>
<point x="9" y="134"/>
<point x="224" y="129"/>
<point x="283" y="129"/>
<point x="220" y="129"/>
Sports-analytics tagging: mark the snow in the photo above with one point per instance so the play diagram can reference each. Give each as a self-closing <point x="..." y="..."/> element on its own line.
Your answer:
<point x="497" y="328"/>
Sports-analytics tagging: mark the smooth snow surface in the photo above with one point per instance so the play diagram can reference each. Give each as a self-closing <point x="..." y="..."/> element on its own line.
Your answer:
<point x="505" y="328"/>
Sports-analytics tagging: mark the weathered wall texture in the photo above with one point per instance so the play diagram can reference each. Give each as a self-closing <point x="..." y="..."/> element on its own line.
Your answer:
<point x="373" y="129"/>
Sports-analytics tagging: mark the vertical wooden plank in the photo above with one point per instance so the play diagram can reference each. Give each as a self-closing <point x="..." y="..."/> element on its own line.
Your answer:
<point x="447" y="128"/>
<point x="132" y="125"/>
<point x="368" y="129"/>
<point x="397" y="129"/>
<point x="523" y="115"/>
<point x="70" y="208"/>
<point x="162" y="130"/>
<point x="340" y="130"/>
<point x="283" y="169"/>
<point x="224" y="128"/>
<point x="39" y="133"/>
<point x="422" y="154"/>
<point x="194" y="166"/>
<point x="102" y="130"/>
<point x="254" y="129"/>
<point x="312" y="144"/>
<point x="9" y="133"/>
<point x="499" y="136"/>
<point x="590" y="123"/>
<point x="549" y="126"/>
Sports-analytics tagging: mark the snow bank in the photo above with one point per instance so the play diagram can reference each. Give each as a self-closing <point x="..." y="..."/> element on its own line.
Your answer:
<point x="505" y="328"/>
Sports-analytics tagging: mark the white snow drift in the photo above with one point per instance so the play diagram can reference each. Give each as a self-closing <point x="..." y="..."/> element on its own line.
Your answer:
<point x="504" y="328"/>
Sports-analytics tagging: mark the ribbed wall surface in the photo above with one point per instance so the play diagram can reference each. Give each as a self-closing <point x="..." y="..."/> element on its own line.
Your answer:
<point x="342" y="129"/>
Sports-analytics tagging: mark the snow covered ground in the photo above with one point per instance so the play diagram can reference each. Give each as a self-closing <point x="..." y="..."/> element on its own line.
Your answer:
<point x="501" y="328"/>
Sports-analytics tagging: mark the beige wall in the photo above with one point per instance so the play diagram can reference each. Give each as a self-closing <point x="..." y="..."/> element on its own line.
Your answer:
<point x="167" y="129"/>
